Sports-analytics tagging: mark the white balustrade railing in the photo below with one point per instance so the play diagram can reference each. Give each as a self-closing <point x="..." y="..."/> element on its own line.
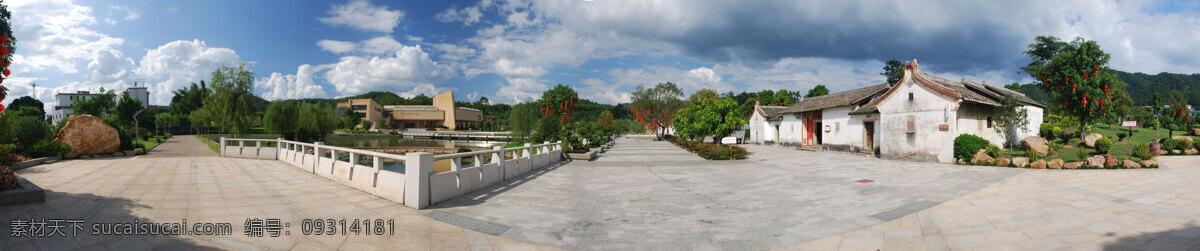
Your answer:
<point x="413" y="182"/>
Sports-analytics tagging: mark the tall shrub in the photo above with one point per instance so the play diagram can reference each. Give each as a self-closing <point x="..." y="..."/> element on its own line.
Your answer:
<point x="966" y="145"/>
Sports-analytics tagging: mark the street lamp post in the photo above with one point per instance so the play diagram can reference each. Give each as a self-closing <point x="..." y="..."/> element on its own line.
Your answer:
<point x="137" y="138"/>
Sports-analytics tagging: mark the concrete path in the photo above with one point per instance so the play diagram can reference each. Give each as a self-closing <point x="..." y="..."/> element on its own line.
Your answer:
<point x="654" y="195"/>
<point x="217" y="190"/>
<point x="1148" y="209"/>
<point x="180" y="146"/>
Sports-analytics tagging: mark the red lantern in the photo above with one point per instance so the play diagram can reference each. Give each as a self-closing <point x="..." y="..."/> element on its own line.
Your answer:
<point x="1068" y="80"/>
<point x="1" y="108"/>
<point x="1097" y="68"/>
<point x="1095" y="75"/>
<point x="1064" y="104"/>
<point x="1085" y="95"/>
<point x="1045" y="83"/>
<point x="3" y="39"/>
<point x="1101" y="102"/>
<point x="1085" y="103"/>
<point x="3" y="51"/>
<point x="1043" y="77"/>
<point x="1105" y="111"/>
<point x="6" y="72"/>
<point x="1105" y="87"/>
<point x="1073" y="87"/>
<point x="1084" y="76"/>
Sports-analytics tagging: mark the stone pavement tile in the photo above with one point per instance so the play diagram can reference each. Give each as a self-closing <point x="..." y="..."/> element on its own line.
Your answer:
<point x="966" y="240"/>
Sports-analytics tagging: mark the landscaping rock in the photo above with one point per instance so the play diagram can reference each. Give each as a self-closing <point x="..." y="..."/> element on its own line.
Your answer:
<point x="1110" y="160"/>
<point x="138" y="151"/>
<point x="71" y="155"/>
<point x="1148" y="163"/>
<point x="1037" y="144"/>
<point x="85" y="157"/>
<point x="1196" y="131"/>
<point x="1073" y="165"/>
<point x="1094" y="161"/>
<point x="1183" y="138"/>
<point x="87" y="134"/>
<point x="1131" y="164"/>
<point x="1039" y="164"/>
<point x="982" y="158"/>
<point x="1002" y="161"/>
<point x="1192" y="151"/>
<point x="1176" y="152"/>
<point x="1020" y="162"/>
<point x="130" y="153"/>
<point x="1055" y="164"/>
<point x="1090" y="139"/>
<point x="118" y="154"/>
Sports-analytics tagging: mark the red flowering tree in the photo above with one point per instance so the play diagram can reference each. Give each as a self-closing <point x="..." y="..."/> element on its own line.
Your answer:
<point x="556" y="105"/>
<point x="655" y="107"/>
<point x="8" y="45"/>
<point x="1076" y="76"/>
<point x="1178" y="117"/>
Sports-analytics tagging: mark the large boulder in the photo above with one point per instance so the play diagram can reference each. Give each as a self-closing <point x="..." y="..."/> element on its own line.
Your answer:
<point x="1055" y="164"/>
<point x="1073" y="165"/>
<point x="1131" y="164"/>
<point x="88" y="134"/>
<point x="1095" y="161"/>
<point x="1020" y="162"/>
<point x="1184" y="139"/>
<point x="1002" y="161"/>
<point x="982" y="158"/>
<point x="1196" y="131"/>
<point x="1037" y="144"/>
<point x="1110" y="160"/>
<point x="1148" y="163"/>
<point x="1090" y="139"/>
<point x="1039" y="164"/>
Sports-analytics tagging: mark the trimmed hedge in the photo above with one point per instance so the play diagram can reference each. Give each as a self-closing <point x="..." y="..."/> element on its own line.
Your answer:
<point x="711" y="151"/>
<point x="966" y="145"/>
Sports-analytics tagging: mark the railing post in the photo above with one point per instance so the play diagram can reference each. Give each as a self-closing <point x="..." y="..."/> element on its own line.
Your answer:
<point x="222" y="145"/>
<point x="545" y="147"/>
<point x="525" y="151"/>
<point x="416" y="179"/>
<point x="279" y="148"/>
<point x="498" y="159"/>
<point x="316" y="156"/>
<point x="478" y="160"/>
<point x="377" y="163"/>
<point x="455" y="164"/>
<point x="241" y="146"/>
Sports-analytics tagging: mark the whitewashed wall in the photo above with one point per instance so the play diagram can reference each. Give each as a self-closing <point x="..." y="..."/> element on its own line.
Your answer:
<point x="928" y="110"/>
<point x="791" y="130"/>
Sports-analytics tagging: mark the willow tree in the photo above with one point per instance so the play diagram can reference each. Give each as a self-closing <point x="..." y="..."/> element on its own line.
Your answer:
<point x="232" y="99"/>
<point x="1077" y="77"/>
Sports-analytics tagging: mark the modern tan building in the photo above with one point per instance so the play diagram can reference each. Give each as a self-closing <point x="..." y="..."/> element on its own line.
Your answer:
<point x="441" y="113"/>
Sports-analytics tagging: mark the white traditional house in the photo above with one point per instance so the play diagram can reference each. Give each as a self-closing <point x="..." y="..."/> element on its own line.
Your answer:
<point x="764" y="124"/>
<point x="915" y="119"/>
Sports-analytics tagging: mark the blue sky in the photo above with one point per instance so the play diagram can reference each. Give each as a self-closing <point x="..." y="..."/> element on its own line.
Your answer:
<point x="511" y="51"/>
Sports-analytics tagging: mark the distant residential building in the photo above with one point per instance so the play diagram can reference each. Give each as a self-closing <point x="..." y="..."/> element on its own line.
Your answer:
<point x="441" y="113"/>
<point x="64" y="101"/>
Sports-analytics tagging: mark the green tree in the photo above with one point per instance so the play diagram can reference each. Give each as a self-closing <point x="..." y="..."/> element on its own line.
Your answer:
<point x="281" y="119"/>
<point x="893" y="69"/>
<point x="817" y="91"/>
<point x="232" y="102"/>
<point x="707" y="114"/>
<point x="27" y="101"/>
<point x="557" y="104"/>
<point x="96" y="105"/>
<point x="1010" y="117"/>
<point x="1156" y="107"/>
<point x="314" y="121"/>
<point x="126" y="107"/>
<point x="654" y="107"/>
<point x="522" y="119"/>
<point x="29" y="130"/>
<point x="1076" y="76"/>
<point x="351" y="119"/>
<point x="188" y="99"/>
<point x="1014" y="86"/>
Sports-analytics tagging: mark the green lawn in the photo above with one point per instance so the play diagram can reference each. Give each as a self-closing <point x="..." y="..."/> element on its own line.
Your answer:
<point x="211" y="145"/>
<point x="1119" y="149"/>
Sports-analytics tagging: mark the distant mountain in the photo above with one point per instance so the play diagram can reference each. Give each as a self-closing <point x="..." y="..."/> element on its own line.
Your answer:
<point x="1141" y="87"/>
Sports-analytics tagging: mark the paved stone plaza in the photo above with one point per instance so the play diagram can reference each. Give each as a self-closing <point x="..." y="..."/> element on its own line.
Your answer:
<point x="645" y="194"/>
<point x="640" y="195"/>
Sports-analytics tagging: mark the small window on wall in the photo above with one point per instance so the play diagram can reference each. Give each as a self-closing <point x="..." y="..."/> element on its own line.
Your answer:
<point x="911" y="125"/>
<point x="989" y="122"/>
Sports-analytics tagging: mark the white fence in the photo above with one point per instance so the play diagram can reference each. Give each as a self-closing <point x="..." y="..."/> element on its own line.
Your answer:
<point x="465" y="135"/>
<point x="415" y="184"/>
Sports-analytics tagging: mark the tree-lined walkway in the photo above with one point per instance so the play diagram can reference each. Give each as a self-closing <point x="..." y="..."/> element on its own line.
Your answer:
<point x="180" y="146"/>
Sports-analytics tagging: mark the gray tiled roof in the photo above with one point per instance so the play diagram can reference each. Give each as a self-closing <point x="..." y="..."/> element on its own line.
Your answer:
<point x="851" y="97"/>
<point x="980" y="93"/>
<point x="770" y="111"/>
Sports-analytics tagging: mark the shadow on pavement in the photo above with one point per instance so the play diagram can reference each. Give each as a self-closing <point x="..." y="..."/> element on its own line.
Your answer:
<point x="1185" y="238"/>
<point x="482" y="195"/>
<point x="89" y="208"/>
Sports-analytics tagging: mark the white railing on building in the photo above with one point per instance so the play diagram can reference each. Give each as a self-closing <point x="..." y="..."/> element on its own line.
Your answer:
<point x="414" y="184"/>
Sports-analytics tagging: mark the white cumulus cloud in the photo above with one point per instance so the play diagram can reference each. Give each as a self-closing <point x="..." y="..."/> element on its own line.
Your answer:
<point x="179" y="63"/>
<point x="362" y="15"/>
<point x="409" y="72"/>
<point x="298" y="86"/>
<point x="336" y="46"/>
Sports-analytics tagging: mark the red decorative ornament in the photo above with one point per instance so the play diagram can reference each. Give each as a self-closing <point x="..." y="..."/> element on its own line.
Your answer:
<point x="1084" y="76"/>
<point x="1105" y="111"/>
<point x="1073" y="87"/>
<point x="1064" y="104"/>
<point x="1101" y="102"/>
<point x="3" y="39"/>
<point x="3" y="51"/>
<point x="1105" y="87"/>
<point x="6" y="72"/>
<point x="1085" y="103"/>
<point x="1045" y="83"/>
<point x="1068" y="80"/>
<point x="1095" y="75"/>
<point x="1097" y="68"/>
<point x="1" y="108"/>
<point x="1085" y="95"/>
<point x="1043" y="77"/>
<point x="1057" y="88"/>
